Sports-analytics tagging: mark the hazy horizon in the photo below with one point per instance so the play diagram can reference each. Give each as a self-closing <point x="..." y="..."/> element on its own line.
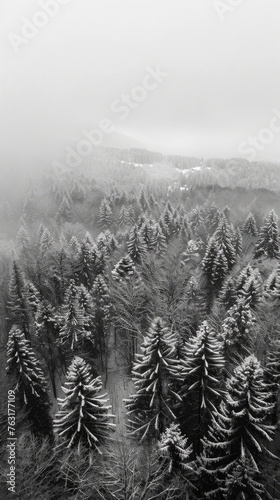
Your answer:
<point x="219" y="83"/>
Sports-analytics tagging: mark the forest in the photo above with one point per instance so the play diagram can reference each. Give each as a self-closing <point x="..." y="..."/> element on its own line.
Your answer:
<point x="140" y="330"/>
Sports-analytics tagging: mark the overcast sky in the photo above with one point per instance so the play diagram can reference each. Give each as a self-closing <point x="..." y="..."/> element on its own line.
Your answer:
<point x="223" y="82"/>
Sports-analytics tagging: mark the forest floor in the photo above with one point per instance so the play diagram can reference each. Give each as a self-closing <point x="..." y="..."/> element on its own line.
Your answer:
<point x="118" y="385"/>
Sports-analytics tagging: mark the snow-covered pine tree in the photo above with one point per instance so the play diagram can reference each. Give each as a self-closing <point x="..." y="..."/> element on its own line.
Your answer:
<point x="146" y="231"/>
<point x="136" y="245"/>
<point x="208" y="263"/>
<point x="17" y="304"/>
<point x="213" y="217"/>
<point x="250" y="225"/>
<point x="268" y="241"/>
<point x="237" y="332"/>
<point x="154" y="372"/>
<point x="24" y="372"/>
<point x="174" y="449"/>
<point x="249" y="286"/>
<point x="45" y="243"/>
<point x="239" y="436"/>
<point x="131" y="217"/>
<point x="123" y="216"/>
<point x="123" y="269"/>
<point x="215" y="267"/>
<point x="71" y="319"/>
<point x="85" y="302"/>
<point x="220" y="270"/>
<point x="105" y="215"/>
<point x="228" y="293"/>
<point x="159" y="244"/>
<point x="224" y="238"/>
<point x="33" y="297"/>
<point x="89" y="263"/>
<point x="83" y="417"/>
<point x="202" y="367"/>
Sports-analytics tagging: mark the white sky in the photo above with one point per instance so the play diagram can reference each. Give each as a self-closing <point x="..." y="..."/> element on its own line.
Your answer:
<point x="223" y="83"/>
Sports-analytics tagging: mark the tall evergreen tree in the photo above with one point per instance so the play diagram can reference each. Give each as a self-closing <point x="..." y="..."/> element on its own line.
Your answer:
<point x="72" y="328"/>
<point x="136" y="245"/>
<point x="268" y="241"/>
<point x="225" y="240"/>
<point x="105" y="215"/>
<point x="17" y="304"/>
<point x="250" y="225"/>
<point x="202" y="366"/>
<point x="237" y="332"/>
<point x="236" y="447"/>
<point x="83" y="417"/>
<point x="23" y="369"/>
<point x="150" y="408"/>
<point x="158" y="240"/>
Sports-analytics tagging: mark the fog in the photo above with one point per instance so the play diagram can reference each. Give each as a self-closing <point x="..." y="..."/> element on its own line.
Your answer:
<point x="221" y="80"/>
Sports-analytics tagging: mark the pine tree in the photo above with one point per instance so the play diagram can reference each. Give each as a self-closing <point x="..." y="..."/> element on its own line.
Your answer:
<point x="33" y="297"/>
<point x="202" y="366"/>
<point x="173" y="448"/>
<point x="131" y="215"/>
<point x="17" y="304"/>
<point x="146" y="231"/>
<point x="23" y="369"/>
<point x="249" y="286"/>
<point x="250" y="225"/>
<point x="123" y="217"/>
<point x="225" y="240"/>
<point x="268" y="242"/>
<point x="136" y="245"/>
<point x="150" y="409"/>
<point x="209" y="260"/>
<point x="83" y="417"/>
<point x="123" y="269"/>
<point x="158" y="242"/>
<point x="85" y="302"/>
<point x="236" y="447"/>
<point x="220" y="270"/>
<point x="45" y="243"/>
<point x="228" y="293"/>
<point x="237" y="332"/>
<point x="215" y="268"/>
<point x="105" y="215"/>
<point x="71" y="319"/>
<point x="89" y="263"/>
